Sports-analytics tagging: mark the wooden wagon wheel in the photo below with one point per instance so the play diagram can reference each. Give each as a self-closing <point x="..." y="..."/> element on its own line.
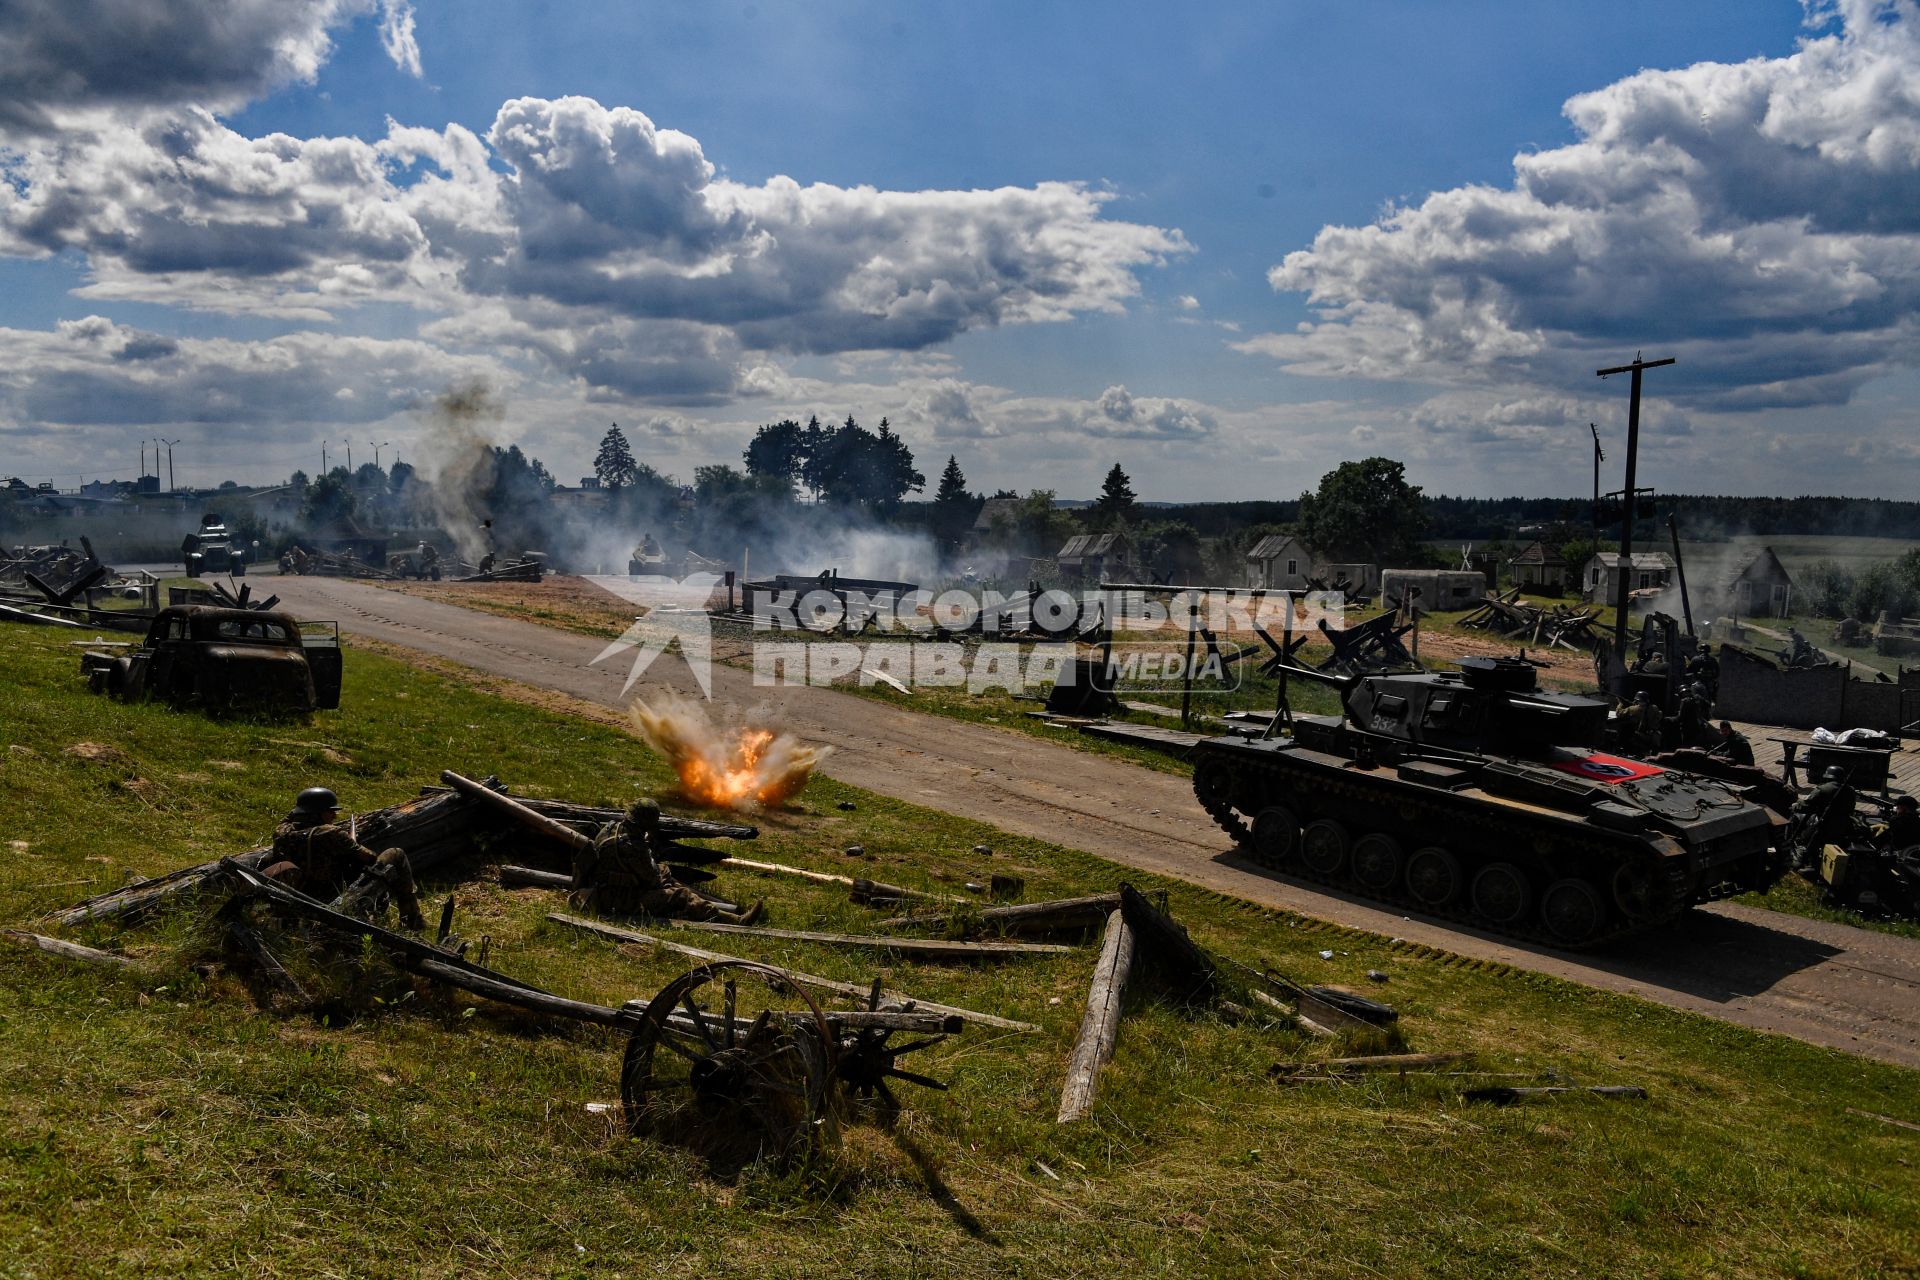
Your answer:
<point x="748" y="1081"/>
<point x="868" y="1058"/>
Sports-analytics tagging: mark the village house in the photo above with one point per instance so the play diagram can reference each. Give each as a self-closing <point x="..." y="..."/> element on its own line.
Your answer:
<point x="1761" y="588"/>
<point x="1600" y="580"/>
<point x="1538" y="567"/>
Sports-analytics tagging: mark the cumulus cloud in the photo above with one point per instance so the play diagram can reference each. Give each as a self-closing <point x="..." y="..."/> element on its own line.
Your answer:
<point x="59" y="58"/>
<point x="611" y="212"/>
<point x="1760" y="220"/>
<point x="97" y="373"/>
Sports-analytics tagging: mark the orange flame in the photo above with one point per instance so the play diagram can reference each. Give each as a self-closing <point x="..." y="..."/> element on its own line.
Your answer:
<point x="746" y="766"/>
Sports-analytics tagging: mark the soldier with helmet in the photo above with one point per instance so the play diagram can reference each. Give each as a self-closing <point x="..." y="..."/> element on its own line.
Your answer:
<point x="1823" y="816"/>
<point x="621" y="872"/>
<point x="1644" y="723"/>
<point x="318" y="856"/>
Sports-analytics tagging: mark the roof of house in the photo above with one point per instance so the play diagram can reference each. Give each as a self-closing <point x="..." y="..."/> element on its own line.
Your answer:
<point x="1273" y="546"/>
<point x="993" y="507"/>
<point x="1641" y="559"/>
<point x="1082" y="545"/>
<point x="1764" y="567"/>
<point x="1536" y="552"/>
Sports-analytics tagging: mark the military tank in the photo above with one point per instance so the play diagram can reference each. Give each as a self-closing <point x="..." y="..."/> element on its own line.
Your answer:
<point x="1473" y="795"/>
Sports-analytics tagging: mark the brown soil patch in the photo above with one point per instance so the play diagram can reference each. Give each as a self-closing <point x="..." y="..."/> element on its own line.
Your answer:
<point x="570" y="603"/>
<point x="101" y="754"/>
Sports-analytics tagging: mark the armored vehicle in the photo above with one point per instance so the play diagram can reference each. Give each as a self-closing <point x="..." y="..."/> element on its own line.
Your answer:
<point x="225" y="660"/>
<point x="1476" y="796"/>
<point x="210" y="549"/>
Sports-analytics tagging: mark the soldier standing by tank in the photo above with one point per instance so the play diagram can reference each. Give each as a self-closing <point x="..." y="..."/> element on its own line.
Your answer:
<point x="1733" y="745"/>
<point x="1705" y="669"/>
<point x="1691" y="716"/>
<point x="1823" y="816"/>
<point x="621" y="872"/>
<point x="1644" y="723"/>
<point x="316" y="855"/>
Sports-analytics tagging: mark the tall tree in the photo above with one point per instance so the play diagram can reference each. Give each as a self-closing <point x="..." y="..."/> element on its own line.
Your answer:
<point x="1116" y="503"/>
<point x="895" y="476"/>
<point x="1365" y="510"/>
<point x="953" y="507"/>
<point x="778" y="449"/>
<point x="614" y="464"/>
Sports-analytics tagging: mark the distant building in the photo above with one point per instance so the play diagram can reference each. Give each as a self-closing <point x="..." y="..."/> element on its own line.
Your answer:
<point x="1760" y="589"/>
<point x="1433" y="589"/>
<point x="1600" y="580"/>
<point x="1280" y="562"/>
<point x="1093" y="556"/>
<point x="1539" y="567"/>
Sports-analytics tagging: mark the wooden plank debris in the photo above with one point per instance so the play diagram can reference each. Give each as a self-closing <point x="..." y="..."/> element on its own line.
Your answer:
<point x="1504" y="1095"/>
<point x="1100" y="1025"/>
<point x="911" y="948"/>
<point x="1026" y="919"/>
<point x="854" y="989"/>
<point x="66" y="950"/>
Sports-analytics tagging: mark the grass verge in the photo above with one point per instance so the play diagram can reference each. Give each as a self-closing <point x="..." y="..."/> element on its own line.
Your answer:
<point x="156" y="1123"/>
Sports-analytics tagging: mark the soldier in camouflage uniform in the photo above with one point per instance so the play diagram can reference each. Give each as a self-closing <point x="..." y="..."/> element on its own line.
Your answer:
<point x="319" y="857"/>
<point x="1644" y="723"/>
<point x="621" y="873"/>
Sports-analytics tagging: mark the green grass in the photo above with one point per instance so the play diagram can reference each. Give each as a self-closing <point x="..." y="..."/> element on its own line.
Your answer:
<point x="156" y="1123"/>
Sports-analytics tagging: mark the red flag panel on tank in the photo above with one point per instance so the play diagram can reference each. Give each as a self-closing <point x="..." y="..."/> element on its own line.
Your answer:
<point x="1608" y="769"/>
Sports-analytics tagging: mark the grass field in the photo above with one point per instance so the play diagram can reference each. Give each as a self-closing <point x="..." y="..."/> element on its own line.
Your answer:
<point x="156" y="1123"/>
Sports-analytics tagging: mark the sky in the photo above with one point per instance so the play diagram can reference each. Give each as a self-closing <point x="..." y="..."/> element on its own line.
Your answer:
<point x="1225" y="245"/>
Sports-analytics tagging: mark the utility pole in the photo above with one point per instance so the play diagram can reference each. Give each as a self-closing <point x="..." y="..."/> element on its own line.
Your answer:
<point x="143" y="459"/>
<point x="349" y="457"/>
<point x="323" y="457"/>
<point x="1598" y="458"/>
<point x="1629" y="500"/>
<point x="377" y="448"/>
<point x="156" y="459"/>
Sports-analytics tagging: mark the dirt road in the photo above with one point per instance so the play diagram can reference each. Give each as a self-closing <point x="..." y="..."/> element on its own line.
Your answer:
<point x="1828" y="984"/>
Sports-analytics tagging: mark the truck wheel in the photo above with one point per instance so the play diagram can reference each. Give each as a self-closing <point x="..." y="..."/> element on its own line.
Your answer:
<point x="1572" y="910"/>
<point x="1433" y="876"/>
<point x="1274" y="831"/>
<point x="1501" y="893"/>
<point x="1376" y="862"/>
<point x="1323" y="846"/>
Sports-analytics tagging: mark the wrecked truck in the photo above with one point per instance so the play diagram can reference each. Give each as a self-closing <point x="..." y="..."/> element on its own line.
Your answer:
<point x="224" y="660"/>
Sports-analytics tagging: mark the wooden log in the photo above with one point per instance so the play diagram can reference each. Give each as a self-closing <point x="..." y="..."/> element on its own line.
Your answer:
<point x="1028" y="918"/>
<point x="1892" y="1120"/>
<point x="863" y="890"/>
<point x="1372" y="1062"/>
<point x="854" y="989"/>
<point x="508" y="806"/>
<point x="911" y="948"/>
<point x="1504" y="1095"/>
<point x="529" y="877"/>
<point x="67" y="950"/>
<point x="487" y="985"/>
<point x="1187" y="968"/>
<point x="671" y="825"/>
<point x="1100" y="1025"/>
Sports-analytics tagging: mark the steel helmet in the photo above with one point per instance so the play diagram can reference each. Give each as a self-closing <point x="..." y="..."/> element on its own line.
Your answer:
<point x="1834" y="773"/>
<point x="317" y="801"/>
<point x="644" y="813"/>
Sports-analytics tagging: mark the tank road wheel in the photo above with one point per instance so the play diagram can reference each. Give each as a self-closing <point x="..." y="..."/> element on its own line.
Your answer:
<point x="1376" y="862"/>
<point x="1213" y="783"/>
<point x="1572" y="910"/>
<point x="1274" y="831"/>
<point x="1500" y="893"/>
<point x="1633" y="892"/>
<point x="1433" y="876"/>
<point x="1323" y="846"/>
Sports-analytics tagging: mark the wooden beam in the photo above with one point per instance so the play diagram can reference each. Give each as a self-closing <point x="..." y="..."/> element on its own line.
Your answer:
<point x="913" y="948"/>
<point x="1027" y="918"/>
<point x="67" y="950"/>
<point x="1100" y="1025"/>
<point x="854" y="989"/>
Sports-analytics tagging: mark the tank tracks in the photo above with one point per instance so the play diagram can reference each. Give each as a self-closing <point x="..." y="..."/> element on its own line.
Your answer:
<point x="1282" y="787"/>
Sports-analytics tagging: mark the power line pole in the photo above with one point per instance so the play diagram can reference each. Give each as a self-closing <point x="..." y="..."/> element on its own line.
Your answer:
<point x="1630" y="497"/>
<point x="1598" y="458"/>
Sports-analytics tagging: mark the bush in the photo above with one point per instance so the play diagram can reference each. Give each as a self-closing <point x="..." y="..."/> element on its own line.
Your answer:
<point x="1827" y="588"/>
<point x="1879" y="588"/>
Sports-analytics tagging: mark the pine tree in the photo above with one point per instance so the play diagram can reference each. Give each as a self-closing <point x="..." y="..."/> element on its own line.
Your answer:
<point x="614" y="464"/>
<point x="953" y="483"/>
<point x="1116" y="504"/>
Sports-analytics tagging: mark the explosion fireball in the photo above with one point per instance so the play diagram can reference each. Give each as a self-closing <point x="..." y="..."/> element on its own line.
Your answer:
<point x="745" y="766"/>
